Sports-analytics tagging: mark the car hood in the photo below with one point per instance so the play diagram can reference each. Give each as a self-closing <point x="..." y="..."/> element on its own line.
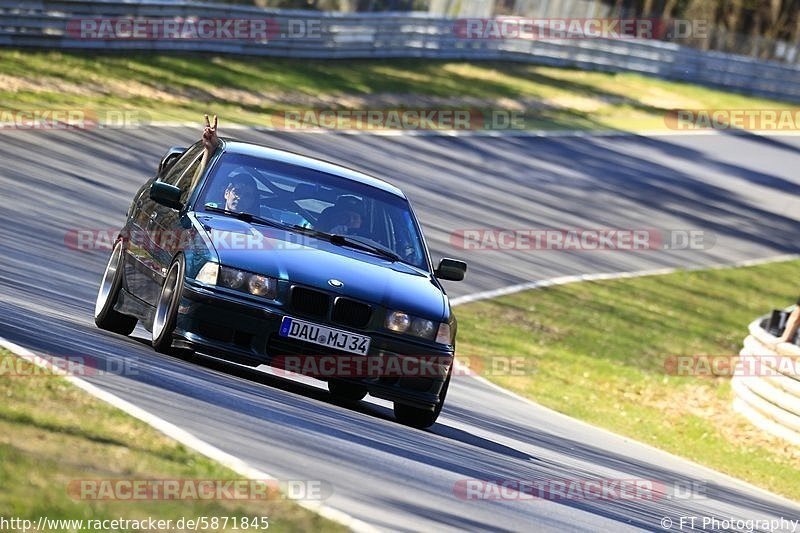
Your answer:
<point x="312" y="262"/>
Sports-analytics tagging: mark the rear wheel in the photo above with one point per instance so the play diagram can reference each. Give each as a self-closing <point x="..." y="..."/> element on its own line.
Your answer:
<point x="422" y="418"/>
<point x="167" y="306"/>
<point x="346" y="391"/>
<point x="104" y="314"/>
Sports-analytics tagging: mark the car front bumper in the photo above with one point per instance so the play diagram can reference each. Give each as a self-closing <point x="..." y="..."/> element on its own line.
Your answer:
<point x="246" y="332"/>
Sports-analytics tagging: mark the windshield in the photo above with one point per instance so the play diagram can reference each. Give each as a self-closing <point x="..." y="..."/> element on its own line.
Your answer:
<point x="295" y="195"/>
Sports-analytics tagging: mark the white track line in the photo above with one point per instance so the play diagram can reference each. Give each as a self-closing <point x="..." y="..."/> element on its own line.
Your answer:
<point x="184" y="437"/>
<point x="539" y="284"/>
<point x="609" y="276"/>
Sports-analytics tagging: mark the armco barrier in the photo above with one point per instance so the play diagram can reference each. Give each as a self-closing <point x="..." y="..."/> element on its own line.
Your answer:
<point x="384" y="35"/>
<point x="771" y="402"/>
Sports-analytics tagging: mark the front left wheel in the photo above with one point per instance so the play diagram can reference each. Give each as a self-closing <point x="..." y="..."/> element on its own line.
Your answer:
<point x="105" y="316"/>
<point x="347" y="392"/>
<point x="422" y="418"/>
<point x="167" y="307"/>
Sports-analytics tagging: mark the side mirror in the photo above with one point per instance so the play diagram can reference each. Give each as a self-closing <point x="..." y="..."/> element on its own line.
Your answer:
<point x="451" y="269"/>
<point x="166" y="194"/>
<point x="169" y="159"/>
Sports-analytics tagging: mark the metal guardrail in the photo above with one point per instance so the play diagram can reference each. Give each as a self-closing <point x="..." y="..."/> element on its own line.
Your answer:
<point x="771" y="399"/>
<point x="43" y="24"/>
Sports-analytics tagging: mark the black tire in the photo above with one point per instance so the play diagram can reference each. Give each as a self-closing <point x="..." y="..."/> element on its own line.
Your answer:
<point x="348" y="392"/>
<point x="166" y="312"/>
<point x="105" y="317"/>
<point x="422" y="418"/>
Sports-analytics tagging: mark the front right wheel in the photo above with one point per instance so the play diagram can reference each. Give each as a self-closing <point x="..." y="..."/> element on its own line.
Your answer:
<point x="167" y="307"/>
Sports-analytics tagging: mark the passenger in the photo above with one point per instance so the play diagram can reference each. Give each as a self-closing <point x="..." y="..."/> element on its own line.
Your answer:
<point x="792" y="325"/>
<point x="210" y="139"/>
<point x="345" y="217"/>
<point x="210" y="144"/>
<point x="349" y="222"/>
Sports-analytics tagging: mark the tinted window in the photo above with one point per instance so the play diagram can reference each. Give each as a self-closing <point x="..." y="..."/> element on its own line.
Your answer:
<point x="173" y="174"/>
<point x="188" y="178"/>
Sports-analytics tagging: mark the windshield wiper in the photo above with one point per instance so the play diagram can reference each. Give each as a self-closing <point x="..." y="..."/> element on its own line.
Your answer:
<point x="354" y="243"/>
<point x="339" y="240"/>
<point x="312" y="232"/>
<point x="248" y="217"/>
<point x="344" y="240"/>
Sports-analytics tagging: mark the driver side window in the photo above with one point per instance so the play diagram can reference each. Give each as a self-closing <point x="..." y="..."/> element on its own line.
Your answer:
<point x="182" y="174"/>
<point x="189" y="178"/>
<point x="174" y="174"/>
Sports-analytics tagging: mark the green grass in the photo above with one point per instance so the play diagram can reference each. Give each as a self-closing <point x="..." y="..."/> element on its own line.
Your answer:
<point x="249" y="90"/>
<point x="52" y="433"/>
<point x="597" y="351"/>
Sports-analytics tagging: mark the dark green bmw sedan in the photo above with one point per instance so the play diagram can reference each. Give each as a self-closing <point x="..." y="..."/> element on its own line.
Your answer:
<point x="262" y="256"/>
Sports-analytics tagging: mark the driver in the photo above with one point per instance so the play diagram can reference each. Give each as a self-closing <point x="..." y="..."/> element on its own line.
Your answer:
<point x="241" y="194"/>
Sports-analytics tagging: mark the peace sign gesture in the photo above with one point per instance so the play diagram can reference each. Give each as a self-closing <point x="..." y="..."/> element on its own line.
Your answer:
<point x="210" y="139"/>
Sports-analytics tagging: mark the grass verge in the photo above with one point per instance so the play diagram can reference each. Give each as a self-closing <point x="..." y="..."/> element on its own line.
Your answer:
<point x="598" y="351"/>
<point x="52" y="434"/>
<point x="250" y="90"/>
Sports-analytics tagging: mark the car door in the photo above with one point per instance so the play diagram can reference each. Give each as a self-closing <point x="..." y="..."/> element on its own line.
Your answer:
<point x="156" y="227"/>
<point x="168" y="225"/>
<point x="133" y="231"/>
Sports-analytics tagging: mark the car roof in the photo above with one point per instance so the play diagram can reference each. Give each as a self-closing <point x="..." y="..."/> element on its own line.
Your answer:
<point x="256" y="150"/>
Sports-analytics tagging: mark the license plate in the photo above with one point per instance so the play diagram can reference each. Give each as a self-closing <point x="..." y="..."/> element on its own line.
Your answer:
<point x="324" y="336"/>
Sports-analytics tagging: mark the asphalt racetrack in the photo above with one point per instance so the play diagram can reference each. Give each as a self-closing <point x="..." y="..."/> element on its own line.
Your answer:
<point x="741" y="191"/>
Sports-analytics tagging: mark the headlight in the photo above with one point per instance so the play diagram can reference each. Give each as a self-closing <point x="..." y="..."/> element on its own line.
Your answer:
<point x="255" y="284"/>
<point x="419" y="327"/>
<point x="423" y="328"/>
<point x="398" y="321"/>
<point x="208" y="274"/>
<point x="262" y="286"/>
<point x="232" y="278"/>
